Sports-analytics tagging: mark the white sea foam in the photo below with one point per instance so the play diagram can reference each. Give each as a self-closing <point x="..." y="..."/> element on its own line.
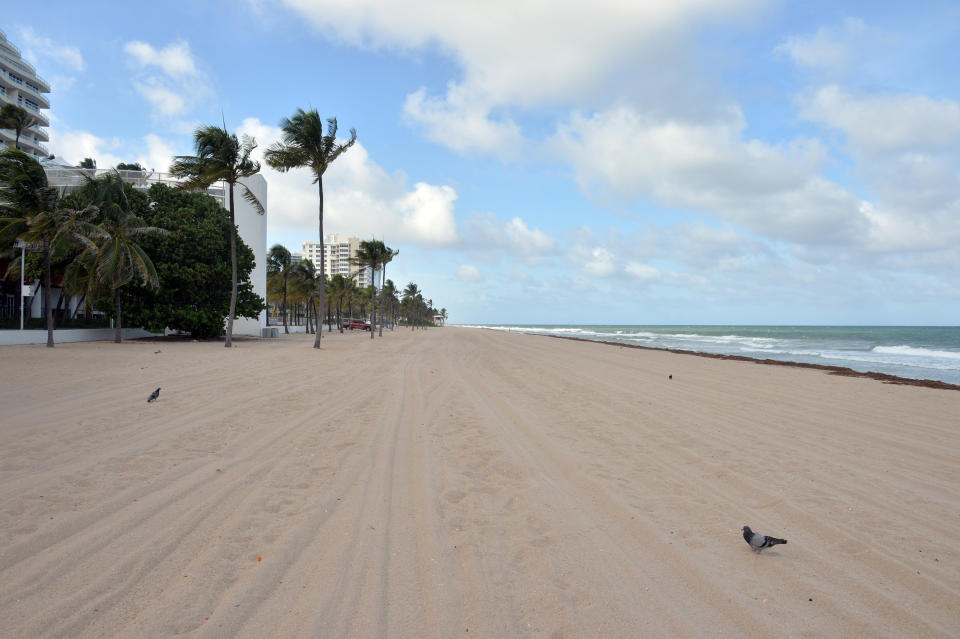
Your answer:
<point x="912" y="351"/>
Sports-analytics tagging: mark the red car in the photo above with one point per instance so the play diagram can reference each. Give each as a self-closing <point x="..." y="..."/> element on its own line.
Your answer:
<point x="354" y="323"/>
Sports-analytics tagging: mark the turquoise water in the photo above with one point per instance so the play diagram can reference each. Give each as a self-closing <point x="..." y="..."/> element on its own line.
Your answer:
<point x="917" y="352"/>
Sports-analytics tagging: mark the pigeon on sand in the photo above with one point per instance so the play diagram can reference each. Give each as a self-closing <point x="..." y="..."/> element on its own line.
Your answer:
<point x="758" y="542"/>
<point x="155" y="394"/>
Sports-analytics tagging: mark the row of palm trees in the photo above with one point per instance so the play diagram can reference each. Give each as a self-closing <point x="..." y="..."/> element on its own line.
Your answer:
<point x="295" y="287"/>
<point x="97" y="228"/>
<point x="220" y="156"/>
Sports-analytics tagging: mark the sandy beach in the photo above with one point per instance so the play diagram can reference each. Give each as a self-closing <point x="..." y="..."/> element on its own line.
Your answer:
<point x="466" y="482"/>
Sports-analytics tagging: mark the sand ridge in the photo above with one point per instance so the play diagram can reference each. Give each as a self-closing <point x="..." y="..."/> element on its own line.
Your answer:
<point x="462" y="482"/>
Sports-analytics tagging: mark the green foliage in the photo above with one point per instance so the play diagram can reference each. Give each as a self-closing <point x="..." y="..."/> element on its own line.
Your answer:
<point x="130" y="166"/>
<point x="193" y="264"/>
<point x="88" y="163"/>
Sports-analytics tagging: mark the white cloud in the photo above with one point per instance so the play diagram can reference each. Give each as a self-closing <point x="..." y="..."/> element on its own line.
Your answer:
<point x="165" y="101"/>
<point x="530" y="240"/>
<point x="360" y="198"/>
<point x="885" y="122"/>
<point x="158" y="155"/>
<point x="527" y="55"/>
<point x="773" y="190"/>
<point x="36" y="46"/>
<point x="469" y="273"/>
<point x="74" y="146"/>
<point x="485" y="232"/>
<point x="642" y="272"/>
<point x="829" y="47"/>
<point x="462" y="124"/>
<point x="168" y="78"/>
<point x="175" y="59"/>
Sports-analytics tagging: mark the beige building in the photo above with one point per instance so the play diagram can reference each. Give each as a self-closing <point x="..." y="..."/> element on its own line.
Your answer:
<point x="20" y="85"/>
<point x="336" y="252"/>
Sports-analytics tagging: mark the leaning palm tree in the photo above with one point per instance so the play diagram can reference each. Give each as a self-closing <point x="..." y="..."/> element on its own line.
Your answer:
<point x="30" y="212"/>
<point x="305" y="145"/>
<point x="278" y="265"/>
<point x="117" y="259"/>
<point x="221" y="157"/>
<point x="14" y="116"/>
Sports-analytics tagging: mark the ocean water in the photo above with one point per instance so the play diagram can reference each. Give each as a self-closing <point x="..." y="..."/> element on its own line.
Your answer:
<point x="917" y="352"/>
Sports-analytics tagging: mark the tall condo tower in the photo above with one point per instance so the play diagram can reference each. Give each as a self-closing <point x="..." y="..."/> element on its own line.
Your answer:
<point x="20" y="85"/>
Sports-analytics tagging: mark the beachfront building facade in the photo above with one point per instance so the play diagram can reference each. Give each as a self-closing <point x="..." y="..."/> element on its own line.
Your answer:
<point x="20" y="85"/>
<point x="336" y="252"/>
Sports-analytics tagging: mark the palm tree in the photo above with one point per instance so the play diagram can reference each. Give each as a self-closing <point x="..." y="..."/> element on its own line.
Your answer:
<point x="31" y="213"/>
<point x="337" y="290"/>
<point x="14" y="116"/>
<point x="410" y="295"/>
<point x="385" y="258"/>
<point x="306" y="283"/>
<point x="305" y="145"/>
<point x="389" y="294"/>
<point x="118" y="259"/>
<point x="278" y="265"/>
<point x="371" y="254"/>
<point x="443" y="315"/>
<point x="221" y="157"/>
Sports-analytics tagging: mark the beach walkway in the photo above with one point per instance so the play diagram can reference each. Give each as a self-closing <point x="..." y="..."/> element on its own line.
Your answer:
<point x="465" y="482"/>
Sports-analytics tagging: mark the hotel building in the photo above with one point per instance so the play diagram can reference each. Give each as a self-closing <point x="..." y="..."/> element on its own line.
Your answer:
<point x="20" y="85"/>
<point x="336" y="252"/>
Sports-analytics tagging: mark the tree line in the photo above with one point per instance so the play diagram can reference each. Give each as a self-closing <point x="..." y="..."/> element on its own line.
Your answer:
<point x="293" y="287"/>
<point x="102" y="238"/>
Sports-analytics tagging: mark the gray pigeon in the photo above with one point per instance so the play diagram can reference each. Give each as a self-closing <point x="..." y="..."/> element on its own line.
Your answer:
<point x="758" y="542"/>
<point x="155" y="394"/>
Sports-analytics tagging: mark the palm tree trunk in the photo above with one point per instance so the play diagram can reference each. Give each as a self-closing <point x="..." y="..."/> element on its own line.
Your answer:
<point x="117" y="327"/>
<point x="76" y="309"/>
<point x="233" y="273"/>
<point x="323" y="276"/>
<point x="373" y="298"/>
<point x="47" y="310"/>
<point x="286" y="328"/>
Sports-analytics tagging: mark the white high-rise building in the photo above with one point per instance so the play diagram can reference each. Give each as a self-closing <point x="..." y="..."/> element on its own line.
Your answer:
<point x="336" y="252"/>
<point x="20" y="85"/>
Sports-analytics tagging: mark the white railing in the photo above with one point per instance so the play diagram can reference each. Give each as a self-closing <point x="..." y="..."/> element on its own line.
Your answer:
<point x="72" y="177"/>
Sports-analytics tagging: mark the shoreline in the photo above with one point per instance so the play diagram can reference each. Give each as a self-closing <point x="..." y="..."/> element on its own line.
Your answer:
<point x="832" y="370"/>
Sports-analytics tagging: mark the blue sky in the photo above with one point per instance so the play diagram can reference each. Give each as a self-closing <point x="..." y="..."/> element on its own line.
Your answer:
<point x="619" y="161"/>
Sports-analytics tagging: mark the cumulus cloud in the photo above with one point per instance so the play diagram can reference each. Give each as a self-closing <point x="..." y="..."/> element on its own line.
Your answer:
<point x="360" y="198"/>
<point x="151" y="151"/>
<point x="536" y="59"/>
<point x="889" y="123"/>
<point x="168" y="78"/>
<point x="642" y="272"/>
<point x="40" y="47"/>
<point x="773" y="190"/>
<point x="175" y="59"/>
<point x="829" y="47"/>
<point x="486" y="232"/>
<point x="469" y="273"/>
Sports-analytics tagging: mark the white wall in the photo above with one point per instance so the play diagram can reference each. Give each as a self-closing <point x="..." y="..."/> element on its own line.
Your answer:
<point x="253" y="229"/>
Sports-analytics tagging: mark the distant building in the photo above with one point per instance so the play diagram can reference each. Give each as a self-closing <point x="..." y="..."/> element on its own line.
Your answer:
<point x="295" y="258"/>
<point x="20" y="85"/>
<point x="336" y="252"/>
